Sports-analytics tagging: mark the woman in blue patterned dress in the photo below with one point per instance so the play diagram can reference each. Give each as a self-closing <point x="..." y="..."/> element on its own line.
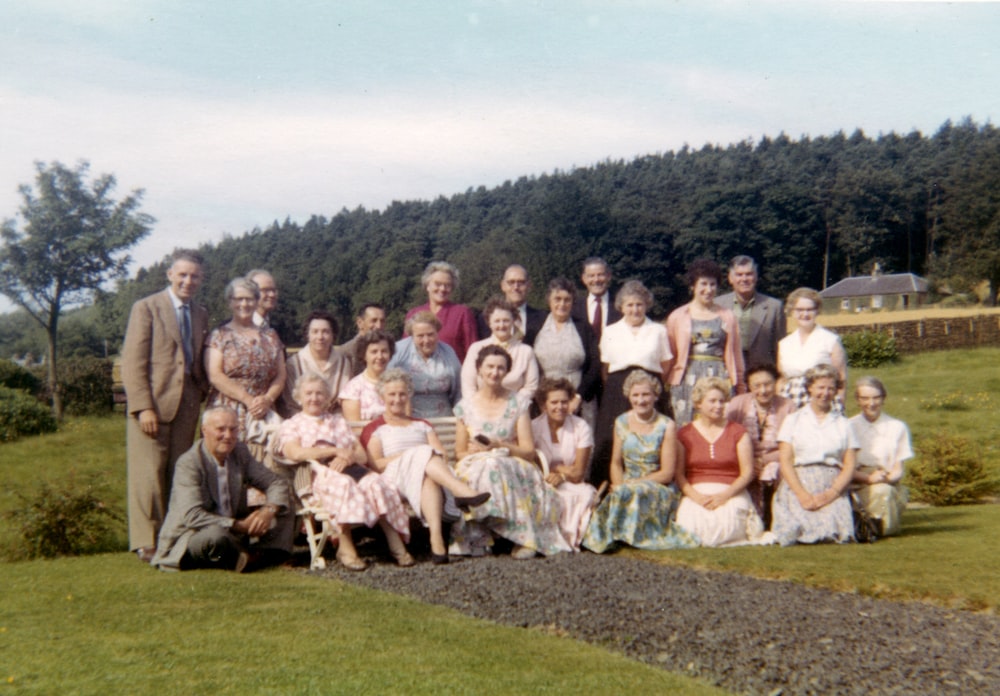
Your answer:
<point x="496" y="454"/>
<point x="432" y="365"/>
<point x="640" y="508"/>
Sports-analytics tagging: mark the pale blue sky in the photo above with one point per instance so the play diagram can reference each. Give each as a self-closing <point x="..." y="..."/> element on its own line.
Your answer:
<point x="233" y="114"/>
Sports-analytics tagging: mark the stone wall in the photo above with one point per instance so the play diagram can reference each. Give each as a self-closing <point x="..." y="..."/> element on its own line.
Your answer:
<point x="935" y="334"/>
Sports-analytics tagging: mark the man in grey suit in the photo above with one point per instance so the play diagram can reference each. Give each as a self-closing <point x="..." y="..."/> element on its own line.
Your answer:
<point x="165" y="382"/>
<point x="209" y="524"/>
<point x="761" y="317"/>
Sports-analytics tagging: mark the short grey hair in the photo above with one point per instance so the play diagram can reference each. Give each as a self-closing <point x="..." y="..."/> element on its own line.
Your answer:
<point x="252" y="275"/>
<point x="439" y="267"/>
<point x="823" y="371"/>
<point x="395" y="374"/>
<point x="638" y="377"/>
<point x="871" y="383"/>
<point x="742" y="260"/>
<point x="633" y="288"/>
<point x="215" y="410"/>
<point x="308" y="378"/>
<point x="243" y="283"/>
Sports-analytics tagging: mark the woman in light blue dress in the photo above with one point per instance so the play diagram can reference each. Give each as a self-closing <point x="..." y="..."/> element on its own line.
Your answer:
<point x="433" y="366"/>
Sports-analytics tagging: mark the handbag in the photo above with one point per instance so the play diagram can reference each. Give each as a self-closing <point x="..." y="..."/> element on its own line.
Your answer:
<point x="867" y="529"/>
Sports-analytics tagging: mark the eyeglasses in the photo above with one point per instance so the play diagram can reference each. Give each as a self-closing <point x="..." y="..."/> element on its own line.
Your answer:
<point x="804" y="310"/>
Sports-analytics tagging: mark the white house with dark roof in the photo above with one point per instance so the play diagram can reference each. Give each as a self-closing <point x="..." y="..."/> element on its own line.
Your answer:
<point x="876" y="293"/>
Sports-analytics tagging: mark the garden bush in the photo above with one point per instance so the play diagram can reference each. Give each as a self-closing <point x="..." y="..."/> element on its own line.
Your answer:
<point x="86" y="386"/>
<point x="22" y="414"/>
<point x="13" y="376"/>
<point x="869" y="349"/>
<point x="949" y="471"/>
<point x="69" y="518"/>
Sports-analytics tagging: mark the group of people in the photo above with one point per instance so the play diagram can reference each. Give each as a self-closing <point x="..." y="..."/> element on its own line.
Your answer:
<point x="585" y="426"/>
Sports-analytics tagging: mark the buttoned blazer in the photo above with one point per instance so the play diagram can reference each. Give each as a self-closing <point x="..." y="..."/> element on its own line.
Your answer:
<point x="194" y="497"/>
<point x="153" y="356"/>
<point x="767" y="327"/>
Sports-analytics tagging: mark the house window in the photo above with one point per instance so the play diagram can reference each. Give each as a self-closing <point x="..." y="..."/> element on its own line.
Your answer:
<point x="845" y="305"/>
<point x="876" y="302"/>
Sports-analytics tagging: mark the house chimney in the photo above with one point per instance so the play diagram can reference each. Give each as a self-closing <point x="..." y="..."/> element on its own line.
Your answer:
<point x="876" y="270"/>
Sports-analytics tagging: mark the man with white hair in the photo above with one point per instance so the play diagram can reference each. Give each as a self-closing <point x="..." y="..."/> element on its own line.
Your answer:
<point x="209" y="524"/>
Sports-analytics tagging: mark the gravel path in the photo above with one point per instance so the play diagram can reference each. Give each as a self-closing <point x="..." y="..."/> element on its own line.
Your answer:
<point x="746" y="635"/>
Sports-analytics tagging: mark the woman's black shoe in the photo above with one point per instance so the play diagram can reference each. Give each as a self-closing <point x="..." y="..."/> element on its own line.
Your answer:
<point x="472" y="501"/>
<point x="439" y="558"/>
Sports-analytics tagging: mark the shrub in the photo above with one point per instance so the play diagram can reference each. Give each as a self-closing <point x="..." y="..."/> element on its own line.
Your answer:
<point x="86" y="386"/>
<point x="65" y="519"/>
<point x="13" y="376"/>
<point x="869" y="348"/>
<point x="949" y="471"/>
<point x="22" y="414"/>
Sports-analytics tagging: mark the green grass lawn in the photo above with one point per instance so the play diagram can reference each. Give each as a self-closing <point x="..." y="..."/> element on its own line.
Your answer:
<point x="108" y="625"/>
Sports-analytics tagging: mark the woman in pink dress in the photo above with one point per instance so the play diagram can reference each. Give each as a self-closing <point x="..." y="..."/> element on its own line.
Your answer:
<point x="351" y="493"/>
<point x="359" y="399"/>
<point x="566" y="441"/>
<point x="458" y="322"/>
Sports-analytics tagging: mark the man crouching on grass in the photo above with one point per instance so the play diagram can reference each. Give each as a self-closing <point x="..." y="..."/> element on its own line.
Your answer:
<point x="208" y="523"/>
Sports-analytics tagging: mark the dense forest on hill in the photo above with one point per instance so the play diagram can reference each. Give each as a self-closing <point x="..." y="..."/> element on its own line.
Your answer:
<point x="811" y="211"/>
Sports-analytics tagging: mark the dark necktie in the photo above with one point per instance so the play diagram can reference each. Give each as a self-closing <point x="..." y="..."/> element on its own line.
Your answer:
<point x="598" y="322"/>
<point x="186" y="336"/>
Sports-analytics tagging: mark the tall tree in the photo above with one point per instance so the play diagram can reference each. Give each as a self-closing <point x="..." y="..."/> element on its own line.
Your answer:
<point x="73" y="240"/>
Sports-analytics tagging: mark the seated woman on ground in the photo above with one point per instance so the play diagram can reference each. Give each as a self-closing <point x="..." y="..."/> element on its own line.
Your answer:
<point x="496" y="454"/>
<point x="818" y="449"/>
<point x="884" y="445"/>
<point x="359" y="398"/>
<point x="348" y="491"/>
<point x="713" y="470"/>
<point x="639" y="509"/>
<point x="566" y="441"/>
<point x="761" y="412"/>
<point x="411" y="457"/>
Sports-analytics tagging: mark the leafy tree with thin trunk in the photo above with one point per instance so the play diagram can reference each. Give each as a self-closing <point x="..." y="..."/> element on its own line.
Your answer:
<point x="73" y="240"/>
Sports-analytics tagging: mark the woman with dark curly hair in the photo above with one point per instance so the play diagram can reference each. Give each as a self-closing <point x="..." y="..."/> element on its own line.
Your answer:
<point x="704" y="339"/>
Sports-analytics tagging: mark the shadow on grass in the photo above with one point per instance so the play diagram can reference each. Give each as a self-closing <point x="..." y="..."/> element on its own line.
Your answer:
<point x="930" y="521"/>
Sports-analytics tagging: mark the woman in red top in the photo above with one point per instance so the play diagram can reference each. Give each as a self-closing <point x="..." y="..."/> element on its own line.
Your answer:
<point x="713" y="471"/>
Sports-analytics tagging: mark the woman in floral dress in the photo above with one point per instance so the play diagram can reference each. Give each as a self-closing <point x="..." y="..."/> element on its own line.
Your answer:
<point x="640" y="508"/>
<point x="704" y="340"/>
<point x="496" y="455"/>
<point x="246" y="365"/>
